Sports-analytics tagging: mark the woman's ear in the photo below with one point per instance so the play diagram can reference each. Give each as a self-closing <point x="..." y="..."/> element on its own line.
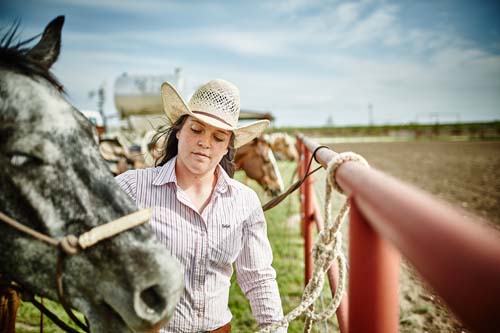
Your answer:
<point x="177" y="135"/>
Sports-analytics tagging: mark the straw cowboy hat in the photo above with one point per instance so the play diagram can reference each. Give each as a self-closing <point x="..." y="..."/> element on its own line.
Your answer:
<point x="216" y="103"/>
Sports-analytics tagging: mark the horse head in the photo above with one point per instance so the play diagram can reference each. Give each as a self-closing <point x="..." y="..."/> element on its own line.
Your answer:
<point x="284" y="147"/>
<point x="54" y="180"/>
<point x="257" y="160"/>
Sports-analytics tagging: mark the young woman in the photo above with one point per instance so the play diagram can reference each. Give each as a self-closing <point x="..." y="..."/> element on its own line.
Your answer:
<point x="205" y="218"/>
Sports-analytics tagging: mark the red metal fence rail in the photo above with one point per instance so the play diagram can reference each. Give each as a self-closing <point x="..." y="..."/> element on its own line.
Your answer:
<point x="458" y="255"/>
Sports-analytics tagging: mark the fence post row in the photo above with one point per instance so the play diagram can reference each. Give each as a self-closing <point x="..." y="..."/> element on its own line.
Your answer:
<point x="458" y="255"/>
<point x="311" y="214"/>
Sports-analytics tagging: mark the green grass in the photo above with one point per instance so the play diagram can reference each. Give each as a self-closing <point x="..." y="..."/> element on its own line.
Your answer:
<point x="28" y="318"/>
<point x="288" y="251"/>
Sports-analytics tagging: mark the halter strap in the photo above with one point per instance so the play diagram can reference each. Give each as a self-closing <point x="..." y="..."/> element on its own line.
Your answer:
<point x="70" y="245"/>
<point x="213" y="116"/>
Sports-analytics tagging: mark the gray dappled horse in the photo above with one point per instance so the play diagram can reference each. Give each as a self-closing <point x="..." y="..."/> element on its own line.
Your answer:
<point x="257" y="160"/>
<point x="54" y="180"/>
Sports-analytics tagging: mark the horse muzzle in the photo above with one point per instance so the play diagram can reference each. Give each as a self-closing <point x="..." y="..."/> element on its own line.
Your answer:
<point x="155" y="304"/>
<point x="153" y="296"/>
<point x="156" y="298"/>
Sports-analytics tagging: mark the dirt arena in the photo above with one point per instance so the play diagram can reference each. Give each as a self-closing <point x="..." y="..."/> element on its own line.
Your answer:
<point x="466" y="174"/>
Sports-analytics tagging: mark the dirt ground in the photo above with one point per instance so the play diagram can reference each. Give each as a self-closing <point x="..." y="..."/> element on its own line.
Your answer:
<point x="466" y="174"/>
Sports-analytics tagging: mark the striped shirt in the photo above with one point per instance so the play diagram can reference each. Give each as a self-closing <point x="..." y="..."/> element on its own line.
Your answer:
<point x="230" y="230"/>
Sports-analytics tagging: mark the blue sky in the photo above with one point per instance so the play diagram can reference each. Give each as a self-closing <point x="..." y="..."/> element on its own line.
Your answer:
<point x="304" y="61"/>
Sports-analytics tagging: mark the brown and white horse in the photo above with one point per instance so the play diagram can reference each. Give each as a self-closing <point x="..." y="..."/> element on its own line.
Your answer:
<point x="256" y="158"/>
<point x="283" y="147"/>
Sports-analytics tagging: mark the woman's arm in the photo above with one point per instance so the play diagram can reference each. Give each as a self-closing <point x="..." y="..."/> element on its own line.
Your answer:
<point x="256" y="277"/>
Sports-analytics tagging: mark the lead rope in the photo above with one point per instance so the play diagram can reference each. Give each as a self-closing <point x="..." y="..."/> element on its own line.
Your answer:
<point x="276" y="200"/>
<point x="327" y="248"/>
<point x="71" y="245"/>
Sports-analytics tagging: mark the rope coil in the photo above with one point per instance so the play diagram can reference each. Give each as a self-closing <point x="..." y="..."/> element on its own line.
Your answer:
<point x="326" y="249"/>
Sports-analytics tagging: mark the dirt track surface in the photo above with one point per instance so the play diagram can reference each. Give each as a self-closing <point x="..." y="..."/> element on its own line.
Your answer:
<point x="467" y="174"/>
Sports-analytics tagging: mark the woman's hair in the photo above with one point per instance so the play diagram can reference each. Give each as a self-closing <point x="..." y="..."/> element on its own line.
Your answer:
<point x="168" y="146"/>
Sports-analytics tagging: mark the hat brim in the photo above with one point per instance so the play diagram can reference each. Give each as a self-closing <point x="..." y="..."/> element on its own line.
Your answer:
<point x="174" y="107"/>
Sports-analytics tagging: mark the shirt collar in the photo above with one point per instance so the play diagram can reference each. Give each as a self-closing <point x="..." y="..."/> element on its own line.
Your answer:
<point x="223" y="180"/>
<point x="166" y="175"/>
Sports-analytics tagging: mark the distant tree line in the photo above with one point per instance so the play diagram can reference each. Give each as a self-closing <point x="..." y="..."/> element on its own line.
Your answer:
<point x="486" y="130"/>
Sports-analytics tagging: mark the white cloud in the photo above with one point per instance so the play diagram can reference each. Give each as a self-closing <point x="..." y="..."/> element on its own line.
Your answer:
<point x="289" y="6"/>
<point x="347" y="13"/>
<point x="371" y="29"/>
<point x="130" y="6"/>
<point x="247" y="43"/>
<point x="341" y="57"/>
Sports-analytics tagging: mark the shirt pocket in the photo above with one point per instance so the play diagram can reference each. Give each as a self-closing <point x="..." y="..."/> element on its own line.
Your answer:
<point x="226" y="244"/>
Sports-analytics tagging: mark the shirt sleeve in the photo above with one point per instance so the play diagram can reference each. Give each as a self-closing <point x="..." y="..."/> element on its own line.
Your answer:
<point x="255" y="275"/>
<point x="128" y="182"/>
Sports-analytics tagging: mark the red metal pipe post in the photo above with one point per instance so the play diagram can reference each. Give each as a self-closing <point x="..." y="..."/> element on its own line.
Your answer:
<point x="373" y="272"/>
<point x="308" y="219"/>
<point x="459" y="256"/>
<point x="373" y="278"/>
<point x="307" y="194"/>
<point x="302" y="166"/>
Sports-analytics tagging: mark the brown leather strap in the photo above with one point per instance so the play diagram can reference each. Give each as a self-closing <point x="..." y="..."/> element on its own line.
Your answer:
<point x="276" y="200"/>
<point x="223" y="329"/>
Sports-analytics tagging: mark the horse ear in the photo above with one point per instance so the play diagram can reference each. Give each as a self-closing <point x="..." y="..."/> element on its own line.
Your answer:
<point x="266" y="138"/>
<point x="46" y="51"/>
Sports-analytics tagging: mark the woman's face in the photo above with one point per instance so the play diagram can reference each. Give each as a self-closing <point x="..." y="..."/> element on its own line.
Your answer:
<point x="201" y="146"/>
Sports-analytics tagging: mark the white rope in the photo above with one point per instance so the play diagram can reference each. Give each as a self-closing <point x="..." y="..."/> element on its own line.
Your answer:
<point x="327" y="248"/>
<point x="113" y="228"/>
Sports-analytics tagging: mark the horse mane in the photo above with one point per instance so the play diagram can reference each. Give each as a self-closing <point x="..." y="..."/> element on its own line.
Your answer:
<point x="274" y="135"/>
<point x="14" y="56"/>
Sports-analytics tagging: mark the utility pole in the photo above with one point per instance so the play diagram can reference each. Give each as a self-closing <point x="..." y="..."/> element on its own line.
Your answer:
<point x="370" y="113"/>
<point x="101" y="96"/>
<point x="329" y="121"/>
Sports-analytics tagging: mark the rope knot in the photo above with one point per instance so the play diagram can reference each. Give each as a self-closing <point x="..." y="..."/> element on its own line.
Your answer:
<point x="337" y="161"/>
<point x="326" y="247"/>
<point x="321" y="249"/>
<point x="69" y="245"/>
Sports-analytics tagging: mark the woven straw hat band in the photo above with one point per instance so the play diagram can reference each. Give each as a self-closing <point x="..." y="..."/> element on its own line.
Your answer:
<point x="213" y="116"/>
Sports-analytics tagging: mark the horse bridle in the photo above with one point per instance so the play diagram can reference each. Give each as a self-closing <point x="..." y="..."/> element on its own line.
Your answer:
<point x="71" y="245"/>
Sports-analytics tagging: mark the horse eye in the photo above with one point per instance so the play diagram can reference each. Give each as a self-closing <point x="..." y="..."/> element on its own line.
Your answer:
<point x="21" y="159"/>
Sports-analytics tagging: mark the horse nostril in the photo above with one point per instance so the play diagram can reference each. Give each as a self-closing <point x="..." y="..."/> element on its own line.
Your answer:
<point x="153" y="299"/>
